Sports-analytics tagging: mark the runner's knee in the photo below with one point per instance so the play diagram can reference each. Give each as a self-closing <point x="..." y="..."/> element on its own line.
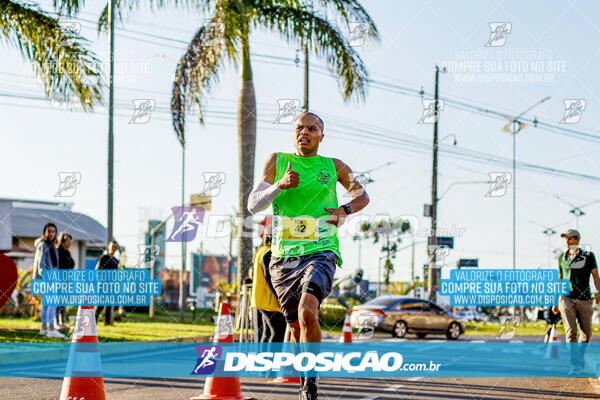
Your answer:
<point x="308" y="318"/>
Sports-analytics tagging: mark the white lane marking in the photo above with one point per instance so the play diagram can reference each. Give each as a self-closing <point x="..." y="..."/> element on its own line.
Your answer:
<point x="392" y="388"/>
<point x="415" y="378"/>
<point x="369" y="398"/>
<point x="429" y="348"/>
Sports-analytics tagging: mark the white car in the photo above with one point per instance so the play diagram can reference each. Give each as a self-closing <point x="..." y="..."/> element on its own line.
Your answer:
<point x="472" y="316"/>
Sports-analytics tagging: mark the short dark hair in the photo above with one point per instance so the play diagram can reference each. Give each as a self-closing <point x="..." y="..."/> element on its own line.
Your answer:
<point x="267" y="239"/>
<point x="316" y="116"/>
<point x="63" y="237"/>
<point x="48" y="225"/>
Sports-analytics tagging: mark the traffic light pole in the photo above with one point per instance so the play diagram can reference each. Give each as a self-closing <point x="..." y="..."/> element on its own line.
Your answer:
<point x="153" y="233"/>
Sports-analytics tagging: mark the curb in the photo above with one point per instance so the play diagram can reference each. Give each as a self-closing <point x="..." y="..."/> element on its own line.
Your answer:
<point x="184" y="339"/>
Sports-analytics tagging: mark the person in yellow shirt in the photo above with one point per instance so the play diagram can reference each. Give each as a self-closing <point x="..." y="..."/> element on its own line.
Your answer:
<point x="263" y="296"/>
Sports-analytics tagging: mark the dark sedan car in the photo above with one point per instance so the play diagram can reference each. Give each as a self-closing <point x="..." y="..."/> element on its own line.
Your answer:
<point x="401" y="315"/>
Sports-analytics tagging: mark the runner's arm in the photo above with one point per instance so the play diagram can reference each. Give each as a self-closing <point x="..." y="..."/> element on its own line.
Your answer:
<point x="265" y="190"/>
<point x="346" y="177"/>
<point x="595" y="276"/>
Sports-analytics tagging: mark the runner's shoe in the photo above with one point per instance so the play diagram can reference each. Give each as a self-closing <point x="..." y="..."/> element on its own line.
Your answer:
<point x="54" y="333"/>
<point x="43" y="332"/>
<point x="306" y="395"/>
<point x="308" y="390"/>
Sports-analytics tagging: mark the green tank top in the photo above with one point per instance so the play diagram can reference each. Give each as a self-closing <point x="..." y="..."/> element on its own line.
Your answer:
<point x="316" y="190"/>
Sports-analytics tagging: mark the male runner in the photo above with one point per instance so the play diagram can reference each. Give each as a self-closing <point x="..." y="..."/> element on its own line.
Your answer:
<point x="305" y="247"/>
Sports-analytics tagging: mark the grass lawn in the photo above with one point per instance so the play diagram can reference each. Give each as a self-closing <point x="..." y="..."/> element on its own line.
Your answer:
<point x="137" y="326"/>
<point x="529" y="328"/>
<point x="485" y="328"/>
<point x="133" y="326"/>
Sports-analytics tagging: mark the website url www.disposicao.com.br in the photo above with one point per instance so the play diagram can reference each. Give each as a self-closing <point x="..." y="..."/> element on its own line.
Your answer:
<point x="351" y="362"/>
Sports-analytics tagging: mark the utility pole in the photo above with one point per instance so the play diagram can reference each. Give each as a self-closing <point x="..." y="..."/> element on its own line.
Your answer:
<point x="229" y="255"/>
<point x="516" y="126"/>
<point x="305" y="106"/>
<point x="432" y="249"/>
<point x="111" y="73"/>
<point x="412" y="261"/>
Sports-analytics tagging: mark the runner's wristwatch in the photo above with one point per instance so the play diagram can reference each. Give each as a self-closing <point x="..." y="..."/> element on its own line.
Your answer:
<point x="347" y="209"/>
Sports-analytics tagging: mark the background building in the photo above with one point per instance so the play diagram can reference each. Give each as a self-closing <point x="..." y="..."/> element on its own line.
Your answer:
<point x="22" y="222"/>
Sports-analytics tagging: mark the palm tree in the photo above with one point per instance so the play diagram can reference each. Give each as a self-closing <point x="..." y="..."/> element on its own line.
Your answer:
<point x="389" y="231"/>
<point x="68" y="71"/>
<point x="226" y="37"/>
<point x="234" y="21"/>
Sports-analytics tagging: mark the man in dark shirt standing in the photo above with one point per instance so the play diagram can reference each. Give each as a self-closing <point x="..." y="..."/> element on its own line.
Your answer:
<point x="577" y="265"/>
<point x="108" y="261"/>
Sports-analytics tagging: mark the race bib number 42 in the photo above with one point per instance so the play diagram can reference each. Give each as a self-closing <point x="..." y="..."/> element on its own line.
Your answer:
<point x="300" y="229"/>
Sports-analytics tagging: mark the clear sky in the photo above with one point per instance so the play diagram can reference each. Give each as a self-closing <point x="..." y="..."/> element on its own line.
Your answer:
<point x="555" y="39"/>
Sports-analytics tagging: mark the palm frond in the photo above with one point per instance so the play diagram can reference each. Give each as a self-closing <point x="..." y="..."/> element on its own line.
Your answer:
<point x="196" y="72"/>
<point x="325" y="40"/>
<point x="68" y="7"/>
<point x="103" y="19"/>
<point x="349" y="11"/>
<point x="352" y="11"/>
<point x="124" y="8"/>
<point x="66" y="68"/>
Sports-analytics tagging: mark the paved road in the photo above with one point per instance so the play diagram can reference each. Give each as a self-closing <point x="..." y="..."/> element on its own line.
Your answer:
<point x="331" y="389"/>
<point x="355" y="389"/>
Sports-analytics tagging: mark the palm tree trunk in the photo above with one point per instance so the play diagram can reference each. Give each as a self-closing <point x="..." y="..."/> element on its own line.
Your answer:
<point x="246" y="150"/>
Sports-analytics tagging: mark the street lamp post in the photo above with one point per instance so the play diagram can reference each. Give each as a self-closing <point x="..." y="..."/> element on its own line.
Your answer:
<point x="183" y="239"/>
<point x="577" y="210"/>
<point x="549" y="232"/>
<point x="515" y="126"/>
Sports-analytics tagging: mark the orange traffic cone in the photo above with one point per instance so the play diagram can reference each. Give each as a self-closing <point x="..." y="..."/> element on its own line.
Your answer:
<point x="347" y="331"/>
<point x="84" y="374"/>
<point x="222" y="388"/>
<point x="286" y="378"/>
<point x="553" y="344"/>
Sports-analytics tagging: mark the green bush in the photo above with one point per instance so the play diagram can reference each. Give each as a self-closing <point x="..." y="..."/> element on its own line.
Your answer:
<point x="352" y="302"/>
<point x="331" y="315"/>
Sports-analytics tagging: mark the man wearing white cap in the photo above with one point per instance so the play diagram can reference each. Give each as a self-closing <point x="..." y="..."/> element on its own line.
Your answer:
<point x="577" y="265"/>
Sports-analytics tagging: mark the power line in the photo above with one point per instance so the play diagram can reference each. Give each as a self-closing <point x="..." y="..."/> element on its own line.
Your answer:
<point x="369" y="137"/>
<point x="377" y="84"/>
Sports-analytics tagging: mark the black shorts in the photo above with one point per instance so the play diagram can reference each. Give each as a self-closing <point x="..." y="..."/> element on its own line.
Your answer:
<point x="291" y="276"/>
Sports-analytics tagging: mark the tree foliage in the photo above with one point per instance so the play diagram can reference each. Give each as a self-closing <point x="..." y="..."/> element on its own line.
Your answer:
<point x="69" y="72"/>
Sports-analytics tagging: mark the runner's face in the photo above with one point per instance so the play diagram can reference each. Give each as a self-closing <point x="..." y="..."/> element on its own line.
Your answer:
<point x="307" y="134"/>
<point x="112" y="248"/>
<point x="50" y="233"/>
<point x="572" y="241"/>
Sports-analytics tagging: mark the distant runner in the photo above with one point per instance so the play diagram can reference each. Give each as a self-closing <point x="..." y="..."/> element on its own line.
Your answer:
<point x="305" y="247"/>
